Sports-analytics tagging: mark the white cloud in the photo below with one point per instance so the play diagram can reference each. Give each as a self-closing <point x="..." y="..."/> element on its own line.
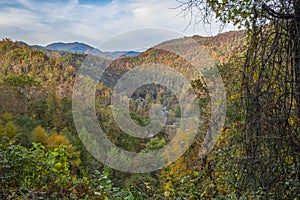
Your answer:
<point x="44" y="22"/>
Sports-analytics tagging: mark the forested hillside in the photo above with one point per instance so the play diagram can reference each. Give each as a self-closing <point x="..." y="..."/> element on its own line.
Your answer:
<point x="42" y="157"/>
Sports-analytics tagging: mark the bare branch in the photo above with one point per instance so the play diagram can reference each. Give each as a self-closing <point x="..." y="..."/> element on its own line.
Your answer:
<point x="276" y="14"/>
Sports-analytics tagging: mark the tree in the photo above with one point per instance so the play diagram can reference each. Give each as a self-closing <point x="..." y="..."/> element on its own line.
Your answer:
<point x="271" y="79"/>
<point x="9" y="130"/>
<point x="19" y="90"/>
<point x="39" y="135"/>
<point x="253" y="15"/>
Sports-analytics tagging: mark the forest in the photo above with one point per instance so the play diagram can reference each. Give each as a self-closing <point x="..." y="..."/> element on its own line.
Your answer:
<point x="257" y="155"/>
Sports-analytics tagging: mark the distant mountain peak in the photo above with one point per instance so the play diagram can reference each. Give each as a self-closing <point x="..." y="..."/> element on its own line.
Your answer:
<point x="74" y="47"/>
<point x="78" y="47"/>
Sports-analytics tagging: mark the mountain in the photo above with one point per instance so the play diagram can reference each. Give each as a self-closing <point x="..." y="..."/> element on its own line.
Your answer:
<point x="116" y="54"/>
<point x="74" y="47"/>
<point x="59" y="65"/>
<point x="77" y="47"/>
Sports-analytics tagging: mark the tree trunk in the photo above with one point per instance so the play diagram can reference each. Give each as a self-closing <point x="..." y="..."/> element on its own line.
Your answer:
<point x="296" y="39"/>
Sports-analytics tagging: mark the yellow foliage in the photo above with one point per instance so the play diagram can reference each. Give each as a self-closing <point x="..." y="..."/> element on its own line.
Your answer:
<point x="9" y="130"/>
<point x="39" y="135"/>
<point x="56" y="140"/>
<point x="168" y="186"/>
<point x="291" y="121"/>
<point x="174" y="173"/>
<point x="235" y="96"/>
<point x="7" y="116"/>
<point x="289" y="160"/>
<point x="223" y="139"/>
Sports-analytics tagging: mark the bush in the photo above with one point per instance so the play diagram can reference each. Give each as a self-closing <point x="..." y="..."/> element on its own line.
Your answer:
<point x="33" y="173"/>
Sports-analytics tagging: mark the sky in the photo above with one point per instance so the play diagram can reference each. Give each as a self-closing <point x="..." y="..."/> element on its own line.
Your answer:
<point x="93" y="22"/>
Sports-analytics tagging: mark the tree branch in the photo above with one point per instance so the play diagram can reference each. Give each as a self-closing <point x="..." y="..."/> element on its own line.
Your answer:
<point x="276" y="14"/>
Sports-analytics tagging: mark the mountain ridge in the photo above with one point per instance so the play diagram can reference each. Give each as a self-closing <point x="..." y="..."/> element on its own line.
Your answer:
<point x="78" y="47"/>
<point x="51" y="67"/>
<point x="83" y="48"/>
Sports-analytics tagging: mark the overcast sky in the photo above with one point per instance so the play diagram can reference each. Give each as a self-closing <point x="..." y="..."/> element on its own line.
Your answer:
<point x="91" y="21"/>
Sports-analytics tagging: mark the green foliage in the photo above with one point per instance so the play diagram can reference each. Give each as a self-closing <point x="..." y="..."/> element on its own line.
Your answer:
<point x="20" y="81"/>
<point x="154" y="144"/>
<point x="36" y="173"/>
<point x="21" y="169"/>
<point x="104" y="187"/>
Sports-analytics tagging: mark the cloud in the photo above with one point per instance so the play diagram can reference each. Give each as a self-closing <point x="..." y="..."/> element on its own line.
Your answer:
<point x="92" y="22"/>
<point x="138" y="39"/>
